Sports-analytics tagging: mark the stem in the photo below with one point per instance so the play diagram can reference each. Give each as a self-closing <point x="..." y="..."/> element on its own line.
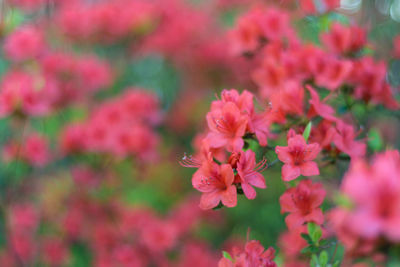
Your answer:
<point x="334" y="252"/>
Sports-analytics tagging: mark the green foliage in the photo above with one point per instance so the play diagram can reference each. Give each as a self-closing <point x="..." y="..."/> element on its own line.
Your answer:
<point x="153" y="73"/>
<point x="307" y="131"/>
<point x="375" y="141"/>
<point x="80" y="256"/>
<point x="314" y="232"/>
<point x="227" y="255"/>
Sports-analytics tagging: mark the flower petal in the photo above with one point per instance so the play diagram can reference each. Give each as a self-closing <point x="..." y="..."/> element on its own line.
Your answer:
<point x="249" y="191"/>
<point x="294" y="220"/>
<point x="309" y="168"/>
<point x="290" y="172"/>
<point x="229" y="196"/>
<point x="209" y="200"/>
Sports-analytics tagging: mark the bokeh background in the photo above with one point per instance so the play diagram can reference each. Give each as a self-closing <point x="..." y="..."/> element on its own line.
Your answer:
<point x="65" y="202"/>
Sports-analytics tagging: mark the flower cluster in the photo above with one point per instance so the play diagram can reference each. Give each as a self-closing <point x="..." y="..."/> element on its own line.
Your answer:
<point x="33" y="150"/>
<point x="230" y="120"/>
<point x="43" y="80"/>
<point x="118" y="235"/>
<point x="121" y="127"/>
<point x="370" y="216"/>
<point x="253" y="254"/>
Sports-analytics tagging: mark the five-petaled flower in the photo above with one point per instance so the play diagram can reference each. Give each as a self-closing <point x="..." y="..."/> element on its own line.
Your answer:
<point x="298" y="158"/>
<point x="303" y="203"/>
<point x="216" y="183"/>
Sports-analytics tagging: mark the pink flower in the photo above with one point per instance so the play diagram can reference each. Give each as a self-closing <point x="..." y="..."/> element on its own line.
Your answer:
<point x="254" y="254"/>
<point x="343" y="40"/>
<point x="227" y="127"/>
<point x="24" y="92"/>
<point x="369" y="79"/>
<point x="93" y="73"/>
<point x="318" y="107"/>
<point x="249" y="173"/>
<point x="292" y="243"/>
<point x="55" y="253"/>
<point x="258" y="123"/>
<point x="344" y="140"/>
<point x="25" y="43"/>
<point x="246" y="35"/>
<point x="159" y="236"/>
<point x="36" y="151"/>
<point x="334" y="72"/>
<point x="297" y="158"/>
<point x="374" y="191"/>
<point x="303" y="204"/>
<point x="216" y="183"/>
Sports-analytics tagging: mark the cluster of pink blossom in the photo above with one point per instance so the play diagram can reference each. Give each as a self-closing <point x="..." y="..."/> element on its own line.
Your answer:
<point x="106" y="21"/>
<point x="121" y="127"/>
<point x="305" y="111"/>
<point x="33" y="150"/>
<point x="292" y="75"/>
<point x="370" y="217"/>
<point x="41" y="80"/>
<point x="230" y="120"/>
<point x="117" y="234"/>
<point x="285" y="63"/>
<point x="254" y="254"/>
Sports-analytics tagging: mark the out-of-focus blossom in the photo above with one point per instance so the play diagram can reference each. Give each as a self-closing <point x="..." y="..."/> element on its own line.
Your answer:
<point x="254" y="254"/>
<point x="303" y="204"/>
<point x="24" y="43"/>
<point x="373" y="190"/>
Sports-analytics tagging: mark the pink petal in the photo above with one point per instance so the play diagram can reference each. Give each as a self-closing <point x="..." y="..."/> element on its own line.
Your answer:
<point x="209" y="200"/>
<point x="229" y="196"/>
<point x="286" y="202"/>
<point x="312" y="151"/>
<point x="294" y="220"/>
<point x="227" y="174"/>
<point x="283" y="154"/>
<point x="309" y="168"/>
<point x="315" y="216"/>
<point x="256" y="180"/>
<point x="216" y="140"/>
<point x="290" y="172"/>
<point x="235" y="145"/>
<point x="249" y="191"/>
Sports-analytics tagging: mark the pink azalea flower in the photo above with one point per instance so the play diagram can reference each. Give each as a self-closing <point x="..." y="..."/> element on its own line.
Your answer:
<point x="25" y="43"/>
<point x="254" y="254"/>
<point x="298" y="158"/>
<point x="303" y="204"/>
<point x="344" y="140"/>
<point x="318" y="107"/>
<point x="334" y="72"/>
<point x="343" y="40"/>
<point x="216" y="183"/>
<point x="249" y="173"/>
<point x="374" y="190"/>
<point x="227" y="127"/>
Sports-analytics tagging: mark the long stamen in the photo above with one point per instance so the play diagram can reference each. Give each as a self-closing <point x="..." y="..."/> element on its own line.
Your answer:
<point x="189" y="162"/>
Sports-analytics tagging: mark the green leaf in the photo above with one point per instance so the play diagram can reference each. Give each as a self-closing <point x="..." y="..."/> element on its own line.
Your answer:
<point x="375" y="140"/>
<point x="307" y="131"/>
<point x="314" y="261"/>
<point x="315" y="232"/>
<point x="307" y="238"/>
<point x="323" y="258"/>
<point x="227" y="255"/>
<point x="343" y="201"/>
